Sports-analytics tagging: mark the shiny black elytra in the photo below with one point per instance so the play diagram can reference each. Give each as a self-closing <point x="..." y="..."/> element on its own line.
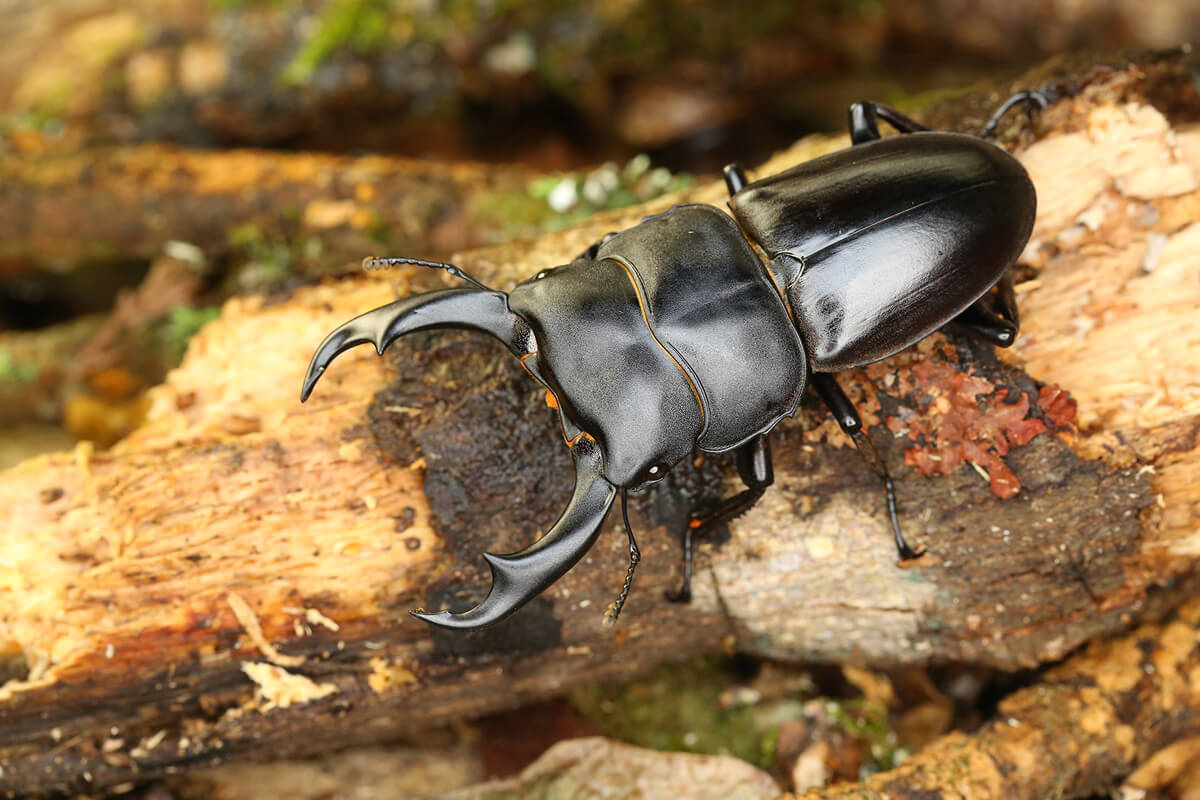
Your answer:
<point x="676" y="335"/>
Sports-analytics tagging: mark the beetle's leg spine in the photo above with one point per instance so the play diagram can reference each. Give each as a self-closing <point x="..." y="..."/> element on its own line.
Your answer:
<point x="848" y="420"/>
<point x="383" y="262"/>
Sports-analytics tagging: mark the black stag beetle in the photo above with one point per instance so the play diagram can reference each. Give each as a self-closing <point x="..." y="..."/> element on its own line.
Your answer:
<point x="679" y="334"/>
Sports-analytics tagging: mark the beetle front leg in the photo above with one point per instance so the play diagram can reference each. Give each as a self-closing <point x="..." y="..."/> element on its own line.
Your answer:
<point x="864" y="122"/>
<point x="849" y="421"/>
<point x="593" y="250"/>
<point x="757" y="472"/>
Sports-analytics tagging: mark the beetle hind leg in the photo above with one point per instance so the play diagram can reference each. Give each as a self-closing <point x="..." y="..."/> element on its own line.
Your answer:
<point x="1034" y="101"/>
<point x="849" y="421"/>
<point x="757" y="472"/>
<point x="993" y="317"/>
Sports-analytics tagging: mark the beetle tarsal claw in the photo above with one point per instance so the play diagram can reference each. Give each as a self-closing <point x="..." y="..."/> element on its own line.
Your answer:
<point x="475" y="309"/>
<point x="519" y="577"/>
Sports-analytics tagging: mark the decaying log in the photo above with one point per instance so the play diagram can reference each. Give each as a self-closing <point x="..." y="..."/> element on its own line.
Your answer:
<point x="1075" y="733"/>
<point x="233" y="578"/>
<point x="125" y="203"/>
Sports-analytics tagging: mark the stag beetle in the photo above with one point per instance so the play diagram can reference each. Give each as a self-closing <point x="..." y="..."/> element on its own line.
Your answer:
<point x="693" y="331"/>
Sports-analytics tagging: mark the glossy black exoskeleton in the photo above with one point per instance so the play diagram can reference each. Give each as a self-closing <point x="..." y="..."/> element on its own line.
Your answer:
<point x="677" y="334"/>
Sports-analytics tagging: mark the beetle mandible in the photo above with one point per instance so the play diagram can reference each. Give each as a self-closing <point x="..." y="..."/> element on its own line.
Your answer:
<point x="677" y="335"/>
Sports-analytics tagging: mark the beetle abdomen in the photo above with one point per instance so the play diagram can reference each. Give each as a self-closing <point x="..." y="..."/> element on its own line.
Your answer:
<point x="709" y="302"/>
<point x="885" y="242"/>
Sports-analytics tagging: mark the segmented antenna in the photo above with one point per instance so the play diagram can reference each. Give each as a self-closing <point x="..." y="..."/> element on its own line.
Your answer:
<point x="635" y="555"/>
<point x="380" y="262"/>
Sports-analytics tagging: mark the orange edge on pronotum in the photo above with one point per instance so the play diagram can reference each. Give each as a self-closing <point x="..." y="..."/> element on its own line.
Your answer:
<point x="642" y="305"/>
<point x="551" y="401"/>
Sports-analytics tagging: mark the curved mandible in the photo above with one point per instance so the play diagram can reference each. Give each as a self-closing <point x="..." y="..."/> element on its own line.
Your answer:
<point x="519" y="577"/>
<point x="476" y="309"/>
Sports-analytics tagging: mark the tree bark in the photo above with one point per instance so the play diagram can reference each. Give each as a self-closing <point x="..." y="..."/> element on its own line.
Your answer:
<point x="232" y="579"/>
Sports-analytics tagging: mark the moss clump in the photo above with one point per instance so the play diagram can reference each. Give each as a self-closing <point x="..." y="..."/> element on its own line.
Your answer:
<point x="868" y="720"/>
<point x="562" y="200"/>
<point x="363" y="25"/>
<point x="268" y="258"/>
<point x="182" y="323"/>
<point x="14" y="371"/>
<point x="680" y="709"/>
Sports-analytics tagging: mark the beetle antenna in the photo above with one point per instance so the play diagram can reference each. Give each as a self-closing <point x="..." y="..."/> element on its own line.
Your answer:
<point x="380" y="262"/>
<point x="635" y="555"/>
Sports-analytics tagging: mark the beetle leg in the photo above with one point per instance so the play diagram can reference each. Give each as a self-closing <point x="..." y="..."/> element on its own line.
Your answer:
<point x="735" y="178"/>
<point x="864" y="122"/>
<point x="518" y="577"/>
<point x="1034" y="102"/>
<point x="757" y="472"/>
<point x="843" y="411"/>
<point x="993" y="317"/>
<point x="592" y="251"/>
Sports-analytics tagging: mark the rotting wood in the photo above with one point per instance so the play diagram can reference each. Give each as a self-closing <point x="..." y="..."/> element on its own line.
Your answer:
<point x="380" y="494"/>
<point x="1121" y="712"/>
<point x="125" y="203"/>
<point x="1077" y="732"/>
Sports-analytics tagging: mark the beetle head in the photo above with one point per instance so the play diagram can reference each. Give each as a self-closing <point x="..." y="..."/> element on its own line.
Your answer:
<point x="518" y="577"/>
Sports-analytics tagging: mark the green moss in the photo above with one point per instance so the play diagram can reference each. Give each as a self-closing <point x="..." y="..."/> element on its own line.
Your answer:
<point x="910" y="102"/>
<point x="679" y="709"/>
<point x="238" y="5"/>
<point x="269" y="257"/>
<point x="558" y="201"/>
<point x="182" y="323"/>
<point x="868" y="719"/>
<point x="14" y="371"/>
<point x="363" y="25"/>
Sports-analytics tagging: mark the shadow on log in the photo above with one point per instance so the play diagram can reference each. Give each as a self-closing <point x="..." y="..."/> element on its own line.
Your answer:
<point x="232" y="580"/>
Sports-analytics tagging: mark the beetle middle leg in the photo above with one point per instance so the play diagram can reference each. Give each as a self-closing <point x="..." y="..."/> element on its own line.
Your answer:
<point x="849" y="421"/>
<point x="757" y="472"/>
<point x="864" y="122"/>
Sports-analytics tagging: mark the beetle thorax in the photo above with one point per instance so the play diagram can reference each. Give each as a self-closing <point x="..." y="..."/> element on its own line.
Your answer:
<point x="672" y="338"/>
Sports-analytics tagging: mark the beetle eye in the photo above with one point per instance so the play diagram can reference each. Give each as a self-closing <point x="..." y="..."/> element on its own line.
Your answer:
<point x="654" y="472"/>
